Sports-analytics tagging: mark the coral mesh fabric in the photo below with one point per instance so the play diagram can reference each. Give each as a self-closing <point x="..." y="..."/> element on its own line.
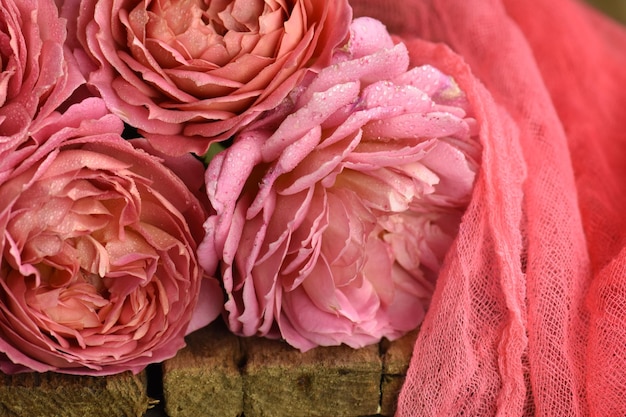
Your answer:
<point x="529" y="313"/>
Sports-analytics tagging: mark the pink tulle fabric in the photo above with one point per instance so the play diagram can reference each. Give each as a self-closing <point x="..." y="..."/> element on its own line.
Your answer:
<point x="529" y="313"/>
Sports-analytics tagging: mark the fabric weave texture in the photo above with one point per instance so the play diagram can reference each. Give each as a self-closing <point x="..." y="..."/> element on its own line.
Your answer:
<point x="529" y="313"/>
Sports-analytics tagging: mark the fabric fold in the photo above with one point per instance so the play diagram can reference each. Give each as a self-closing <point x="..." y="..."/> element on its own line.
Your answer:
<point x="529" y="312"/>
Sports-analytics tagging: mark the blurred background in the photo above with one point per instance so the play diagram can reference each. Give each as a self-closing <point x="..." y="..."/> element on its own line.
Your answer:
<point x="615" y="8"/>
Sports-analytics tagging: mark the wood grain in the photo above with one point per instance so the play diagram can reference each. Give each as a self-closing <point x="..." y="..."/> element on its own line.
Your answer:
<point x="218" y="374"/>
<point x="51" y="394"/>
<point x="204" y="378"/>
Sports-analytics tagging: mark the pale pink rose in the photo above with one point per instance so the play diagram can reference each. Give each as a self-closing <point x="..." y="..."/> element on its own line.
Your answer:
<point x="99" y="272"/>
<point x="331" y="227"/>
<point x="189" y="72"/>
<point x="36" y="74"/>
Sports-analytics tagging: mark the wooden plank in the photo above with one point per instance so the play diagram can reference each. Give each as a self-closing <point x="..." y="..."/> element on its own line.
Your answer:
<point x="331" y="381"/>
<point x="204" y="379"/>
<point x="52" y="394"/>
<point x="218" y="374"/>
<point x="396" y="357"/>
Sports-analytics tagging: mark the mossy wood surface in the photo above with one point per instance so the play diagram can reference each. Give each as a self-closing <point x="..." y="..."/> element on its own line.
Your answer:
<point x="218" y="374"/>
<point x="56" y="395"/>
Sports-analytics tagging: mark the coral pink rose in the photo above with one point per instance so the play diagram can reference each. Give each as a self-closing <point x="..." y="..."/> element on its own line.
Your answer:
<point x="188" y="72"/>
<point x="330" y="228"/>
<point x="99" y="273"/>
<point x="36" y="75"/>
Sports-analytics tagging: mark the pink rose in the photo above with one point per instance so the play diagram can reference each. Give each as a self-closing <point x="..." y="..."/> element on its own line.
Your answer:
<point x="98" y="273"/>
<point x="334" y="212"/>
<point x="36" y="75"/>
<point x="188" y="72"/>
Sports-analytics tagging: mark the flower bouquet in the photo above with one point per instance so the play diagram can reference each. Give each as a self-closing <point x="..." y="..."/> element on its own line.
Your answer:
<point x="324" y="174"/>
